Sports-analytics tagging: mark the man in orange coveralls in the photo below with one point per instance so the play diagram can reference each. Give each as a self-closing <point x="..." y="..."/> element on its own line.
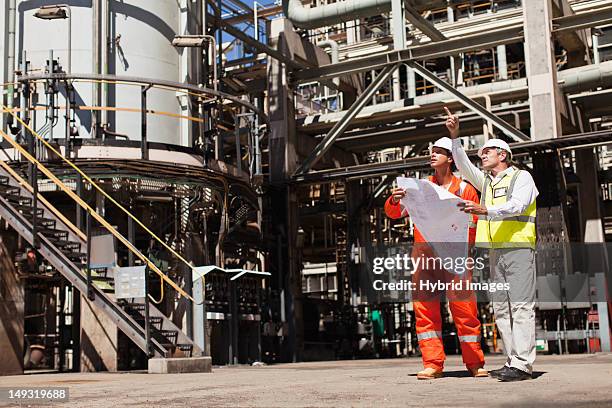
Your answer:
<point x="462" y="304"/>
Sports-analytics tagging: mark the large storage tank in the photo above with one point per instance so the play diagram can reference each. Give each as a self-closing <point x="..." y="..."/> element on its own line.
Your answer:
<point x="140" y="34"/>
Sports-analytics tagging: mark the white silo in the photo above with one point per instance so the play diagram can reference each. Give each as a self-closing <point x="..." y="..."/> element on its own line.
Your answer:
<point x="140" y="33"/>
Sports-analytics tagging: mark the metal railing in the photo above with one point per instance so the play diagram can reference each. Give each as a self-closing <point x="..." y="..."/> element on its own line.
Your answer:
<point x="91" y="213"/>
<point x="39" y="166"/>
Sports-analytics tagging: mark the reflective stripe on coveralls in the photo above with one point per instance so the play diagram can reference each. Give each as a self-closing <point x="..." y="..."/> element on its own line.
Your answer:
<point x="429" y="335"/>
<point x="469" y="339"/>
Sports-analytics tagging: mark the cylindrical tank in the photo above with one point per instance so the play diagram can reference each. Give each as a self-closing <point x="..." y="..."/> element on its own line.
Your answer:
<point x="140" y="36"/>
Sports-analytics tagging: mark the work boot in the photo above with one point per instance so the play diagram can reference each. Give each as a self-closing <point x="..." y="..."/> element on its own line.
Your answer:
<point x="498" y="372"/>
<point x="478" y="372"/>
<point x="429" y="374"/>
<point x="514" y="374"/>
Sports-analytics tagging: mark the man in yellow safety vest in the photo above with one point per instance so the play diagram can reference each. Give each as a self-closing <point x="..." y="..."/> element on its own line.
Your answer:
<point x="506" y="225"/>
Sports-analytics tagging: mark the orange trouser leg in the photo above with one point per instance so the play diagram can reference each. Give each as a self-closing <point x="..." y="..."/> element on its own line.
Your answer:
<point x="429" y="333"/>
<point x="465" y="315"/>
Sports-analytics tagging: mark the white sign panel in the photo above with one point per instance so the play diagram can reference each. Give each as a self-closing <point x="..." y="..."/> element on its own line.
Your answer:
<point x="130" y="282"/>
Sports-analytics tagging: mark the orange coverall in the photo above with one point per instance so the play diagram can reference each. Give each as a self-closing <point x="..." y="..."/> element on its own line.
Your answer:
<point x="463" y="308"/>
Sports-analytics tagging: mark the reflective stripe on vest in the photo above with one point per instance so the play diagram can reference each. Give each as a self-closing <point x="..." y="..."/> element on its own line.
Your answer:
<point x="469" y="339"/>
<point x="429" y="335"/>
<point x="519" y="218"/>
<point x="512" y="232"/>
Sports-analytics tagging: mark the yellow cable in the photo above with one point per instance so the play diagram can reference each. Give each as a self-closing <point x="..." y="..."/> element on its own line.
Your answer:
<point x="161" y="287"/>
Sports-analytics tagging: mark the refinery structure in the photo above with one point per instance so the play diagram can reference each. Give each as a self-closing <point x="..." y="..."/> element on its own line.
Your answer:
<point x="194" y="182"/>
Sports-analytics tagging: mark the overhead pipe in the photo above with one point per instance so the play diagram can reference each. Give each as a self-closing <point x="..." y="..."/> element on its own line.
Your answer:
<point x="11" y="39"/>
<point x="96" y="8"/>
<point x="335" y="54"/>
<point x="570" y="81"/>
<point x="335" y="13"/>
<point x="105" y="15"/>
<point x="342" y="11"/>
<point x="10" y="57"/>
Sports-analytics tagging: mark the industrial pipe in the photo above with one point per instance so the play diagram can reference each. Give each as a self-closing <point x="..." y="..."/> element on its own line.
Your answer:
<point x="333" y="46"/>
<point x="570" y="81"/>
<point x="212" y="45"/>
<point x="335" y="13"/>
<point x="10" y="56"/>
<point x="97" y="17"/>
<point x="104" y="50"/>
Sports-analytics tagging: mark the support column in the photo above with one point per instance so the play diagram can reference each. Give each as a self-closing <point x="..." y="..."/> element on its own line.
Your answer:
<point x="358" y="234"/>
<point x="594" y="257"/>
<point x="282" y="150"/>
<point x="99" y="339"/>
<point x="502" y="63"/>
<point x="456" y="61"/>
<point x="596" y="57"/>
<point x="399" y="43"/>
<point x="283" y="160"/>
<point x="399" y="40"/>
<point x="545" y="98"/>
<point x="590" y="211"/>
<point x="185" y="75"/>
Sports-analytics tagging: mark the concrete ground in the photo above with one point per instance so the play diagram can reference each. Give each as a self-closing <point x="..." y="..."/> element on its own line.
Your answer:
<point x="562" y="381"/>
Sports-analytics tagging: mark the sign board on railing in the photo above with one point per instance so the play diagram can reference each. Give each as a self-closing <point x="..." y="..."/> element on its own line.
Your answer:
<point x="130" y="282"/>
<point x="103" y="252"/>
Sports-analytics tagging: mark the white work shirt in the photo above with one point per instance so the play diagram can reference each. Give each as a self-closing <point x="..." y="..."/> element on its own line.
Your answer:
<point x="523" y="194"/>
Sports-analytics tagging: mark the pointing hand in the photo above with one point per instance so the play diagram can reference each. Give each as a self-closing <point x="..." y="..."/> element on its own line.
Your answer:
<point x="452" y="123"/>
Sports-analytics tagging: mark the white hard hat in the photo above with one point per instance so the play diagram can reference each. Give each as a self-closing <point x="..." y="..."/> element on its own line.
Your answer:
<point x="498" y="143"/>
<point x="445" y="143"/>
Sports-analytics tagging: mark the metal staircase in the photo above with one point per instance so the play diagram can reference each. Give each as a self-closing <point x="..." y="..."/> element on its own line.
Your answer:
<point x="64" y="247"/>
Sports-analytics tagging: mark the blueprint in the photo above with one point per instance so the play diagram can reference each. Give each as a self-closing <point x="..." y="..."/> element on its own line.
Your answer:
<point x="434" y="211"/>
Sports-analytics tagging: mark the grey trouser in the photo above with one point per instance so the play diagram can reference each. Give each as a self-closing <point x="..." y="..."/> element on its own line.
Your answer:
<point x="515" y="309"/>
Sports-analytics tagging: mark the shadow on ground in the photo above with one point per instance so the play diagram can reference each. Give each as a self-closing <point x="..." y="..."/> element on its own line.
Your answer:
<point x="464" y="373"/>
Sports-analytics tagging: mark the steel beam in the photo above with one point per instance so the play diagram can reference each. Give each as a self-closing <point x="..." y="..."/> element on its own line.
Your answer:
<point x="417" y="20"/>
<point x="261" y="13"/>
<point x="243" y="6"/>
<point x="577" y="141"/>
<point x="259" y="46"/>
<point x="545" y="98"/>
<point x="339" y="128"/>
<point x="450" y="47"/>
<point x="431" y="50"/>
<point x="381" y="187"/>
<point x="597" y="17"/>
<point x="469" y="103"/>
<point x="398" y="22"/>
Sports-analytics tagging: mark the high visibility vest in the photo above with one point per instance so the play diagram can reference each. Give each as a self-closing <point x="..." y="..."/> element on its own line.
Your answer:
<point x="512" y="232"/>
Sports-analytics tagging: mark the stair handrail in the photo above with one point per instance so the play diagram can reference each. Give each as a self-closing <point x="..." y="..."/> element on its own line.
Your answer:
<point x="90" y="210"/>
<point x="42" y="199"/>
<point x="100" y="189"/>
